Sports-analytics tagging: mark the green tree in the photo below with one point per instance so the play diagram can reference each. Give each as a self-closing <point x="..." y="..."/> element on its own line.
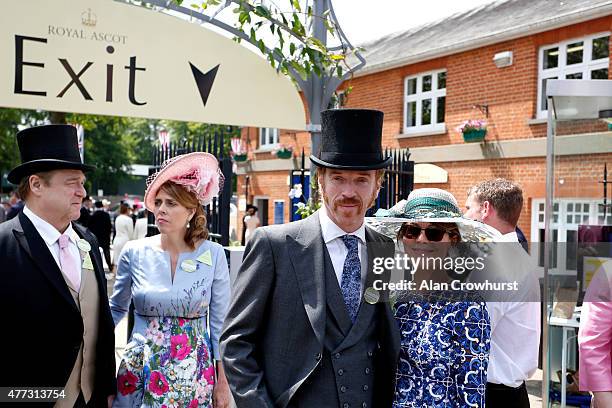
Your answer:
<point x="189" y="132"/>
<point x="107" y="147"/>
<point x="141" y="138"/>
<point x="11" y="121"/>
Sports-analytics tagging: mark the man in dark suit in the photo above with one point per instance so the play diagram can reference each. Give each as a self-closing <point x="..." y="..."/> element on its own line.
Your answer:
<point x="85" y="212"/>
<point x="305" y="327"/>
<point x="58" y="327"/>
<point x="16" y="205"/>
<point x="101" y="226"/>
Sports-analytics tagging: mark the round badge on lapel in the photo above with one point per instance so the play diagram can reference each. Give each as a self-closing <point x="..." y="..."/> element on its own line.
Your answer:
<point x="371" y="295"/>
<point x="189" y="265"/>
<point x="393" y="294"/>
<point x="83" y="245"/>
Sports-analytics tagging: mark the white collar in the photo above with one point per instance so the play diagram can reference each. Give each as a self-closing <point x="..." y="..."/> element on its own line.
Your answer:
<point x="331" y="231"/>
<point x="47" y="231"/>
<point x="509" y="237"/>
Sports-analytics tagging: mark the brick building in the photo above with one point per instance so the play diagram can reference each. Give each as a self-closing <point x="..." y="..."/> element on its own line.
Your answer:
<point x="489" y="63"/>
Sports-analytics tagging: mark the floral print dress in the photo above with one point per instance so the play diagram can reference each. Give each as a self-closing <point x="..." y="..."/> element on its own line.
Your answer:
<point x="168" y="361"/>
<point x="444" y="352"/>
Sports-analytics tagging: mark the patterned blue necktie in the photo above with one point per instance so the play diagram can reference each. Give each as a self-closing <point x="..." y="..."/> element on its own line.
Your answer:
<point x="351" y="276"/>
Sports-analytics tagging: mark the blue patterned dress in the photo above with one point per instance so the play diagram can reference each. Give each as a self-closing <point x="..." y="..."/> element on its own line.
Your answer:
<point x="168" y="360"/>
<point x="444" y="352"/>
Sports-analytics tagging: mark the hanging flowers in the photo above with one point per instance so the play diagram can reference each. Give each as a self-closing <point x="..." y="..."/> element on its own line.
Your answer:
<point x="238" y="154"/>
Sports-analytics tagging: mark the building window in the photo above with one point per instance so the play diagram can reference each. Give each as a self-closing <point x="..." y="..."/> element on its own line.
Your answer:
<point x="268" y="138"/>
<point x="568" y="214"/>
<point x="582" y="58"/>
<point x="425" y="102"/>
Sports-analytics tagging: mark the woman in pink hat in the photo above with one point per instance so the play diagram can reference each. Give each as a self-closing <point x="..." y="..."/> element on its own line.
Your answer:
<point x="175" y="280"/>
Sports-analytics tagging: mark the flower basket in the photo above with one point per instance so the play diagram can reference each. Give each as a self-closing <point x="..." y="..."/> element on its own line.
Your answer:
<point x="474" y="136"/>
<point x="284" y="154"/>
<point x="474" y="131"/>
<point x="240" y="158"/>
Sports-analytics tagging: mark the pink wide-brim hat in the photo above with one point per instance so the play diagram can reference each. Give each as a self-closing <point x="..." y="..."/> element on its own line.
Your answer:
<point x="197" y="172"/>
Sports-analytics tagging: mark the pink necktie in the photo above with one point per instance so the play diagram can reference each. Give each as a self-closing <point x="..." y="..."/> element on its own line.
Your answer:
<point x="67" y="262"/>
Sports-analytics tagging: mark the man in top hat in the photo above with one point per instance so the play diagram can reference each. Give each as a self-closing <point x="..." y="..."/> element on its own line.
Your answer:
<point x="298" y="332"/>
<point x="58" y="330"/>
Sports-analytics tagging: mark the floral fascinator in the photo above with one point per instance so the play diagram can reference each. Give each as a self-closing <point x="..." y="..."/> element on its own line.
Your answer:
<point x="197" y="172"/>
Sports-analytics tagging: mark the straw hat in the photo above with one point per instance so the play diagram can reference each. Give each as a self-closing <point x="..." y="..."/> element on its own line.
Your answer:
<point x="430" y="205"/>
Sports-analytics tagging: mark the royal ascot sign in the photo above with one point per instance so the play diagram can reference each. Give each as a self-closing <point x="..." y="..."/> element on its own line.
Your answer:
<point x="109" y="58"/>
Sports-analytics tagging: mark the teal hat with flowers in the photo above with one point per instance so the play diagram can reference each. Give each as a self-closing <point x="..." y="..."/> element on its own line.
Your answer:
<point x="430" y="205"/>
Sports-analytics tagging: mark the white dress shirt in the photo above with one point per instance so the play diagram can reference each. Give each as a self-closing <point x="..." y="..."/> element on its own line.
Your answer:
<point x="509" y="237"/>
<point x="51" y="236"/>
<point x="515" y="326"/>
<point x="332" y="236"/>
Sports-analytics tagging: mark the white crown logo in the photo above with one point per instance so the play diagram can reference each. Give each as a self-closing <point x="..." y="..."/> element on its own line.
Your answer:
<point x="88" y="18"/>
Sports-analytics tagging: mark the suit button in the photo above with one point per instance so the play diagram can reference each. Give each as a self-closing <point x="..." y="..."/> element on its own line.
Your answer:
<point x="346" y="405"/>
<point x="343" y="389"/>
<point x="364" y="405"/>
<point x="340" y="371"/>
<point x="365" y="388"/>
<point x="337" y="356"/>
<point x="318" y="357"/>
<point x="367" y="370"/>
<point x="370" y="354"/>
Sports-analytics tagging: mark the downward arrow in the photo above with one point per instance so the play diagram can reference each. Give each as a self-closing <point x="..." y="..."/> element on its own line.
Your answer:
<point x="204" y="81"/>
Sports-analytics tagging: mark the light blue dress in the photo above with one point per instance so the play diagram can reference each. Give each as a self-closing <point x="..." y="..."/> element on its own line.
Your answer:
<point x="168" y="359"/>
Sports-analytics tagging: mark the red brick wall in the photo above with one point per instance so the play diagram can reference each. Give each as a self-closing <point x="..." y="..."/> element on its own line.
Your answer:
<point x="472" y="78"/>
<point x="270" y="184"/>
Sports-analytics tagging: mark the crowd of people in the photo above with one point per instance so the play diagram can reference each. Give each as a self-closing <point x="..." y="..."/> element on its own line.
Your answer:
<point x="301" y="325"/>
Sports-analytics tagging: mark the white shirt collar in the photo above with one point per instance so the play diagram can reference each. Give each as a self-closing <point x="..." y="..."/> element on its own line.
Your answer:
<point x="331" y="231"/>
<point x="47" y="231"/>
<point x="509" y="237"/>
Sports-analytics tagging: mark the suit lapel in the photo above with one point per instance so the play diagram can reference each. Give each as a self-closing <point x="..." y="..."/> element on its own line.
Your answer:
<point x="306" y="256"/>
<point x="36" y="248"/>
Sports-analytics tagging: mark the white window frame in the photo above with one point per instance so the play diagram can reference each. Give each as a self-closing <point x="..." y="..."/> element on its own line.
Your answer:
<point x="593" y="217"/>
<point x="419" y="97"/>
<point x="268" y="141"/>
<point x="585" y="67"/>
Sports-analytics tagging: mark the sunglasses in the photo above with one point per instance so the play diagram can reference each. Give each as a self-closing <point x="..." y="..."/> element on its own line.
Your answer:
<point x="432" y="233"/>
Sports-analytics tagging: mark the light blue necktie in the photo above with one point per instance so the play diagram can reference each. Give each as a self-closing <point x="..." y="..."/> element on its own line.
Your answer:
<point x="351" y="276"/>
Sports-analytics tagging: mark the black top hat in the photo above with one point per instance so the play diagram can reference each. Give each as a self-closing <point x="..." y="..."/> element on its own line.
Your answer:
<point x="48" y="147"/>
<point x="351" y="140"/>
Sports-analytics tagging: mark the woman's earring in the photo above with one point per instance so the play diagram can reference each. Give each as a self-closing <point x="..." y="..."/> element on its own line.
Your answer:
<point x="187" y="224"/>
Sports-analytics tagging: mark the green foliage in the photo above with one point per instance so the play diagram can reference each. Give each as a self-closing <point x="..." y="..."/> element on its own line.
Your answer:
<point x="106" y="147"/>
<point x="11" y="121"/>
<point x="295" y="49"/>
<point x="188" y="133"/>
<point x="313" y="204"/>
<point x="112" y="144"/>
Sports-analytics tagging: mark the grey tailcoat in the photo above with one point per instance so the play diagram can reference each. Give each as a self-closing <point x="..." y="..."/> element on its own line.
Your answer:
<point x="275" y="331"/>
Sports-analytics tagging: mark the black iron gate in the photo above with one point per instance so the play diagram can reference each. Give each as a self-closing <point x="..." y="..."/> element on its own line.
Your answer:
<point x="399" y="180"/>
<point x="218" y="211"/>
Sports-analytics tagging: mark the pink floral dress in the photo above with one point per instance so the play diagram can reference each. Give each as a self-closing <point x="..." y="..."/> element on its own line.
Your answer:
<point x="168" y="361"/>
